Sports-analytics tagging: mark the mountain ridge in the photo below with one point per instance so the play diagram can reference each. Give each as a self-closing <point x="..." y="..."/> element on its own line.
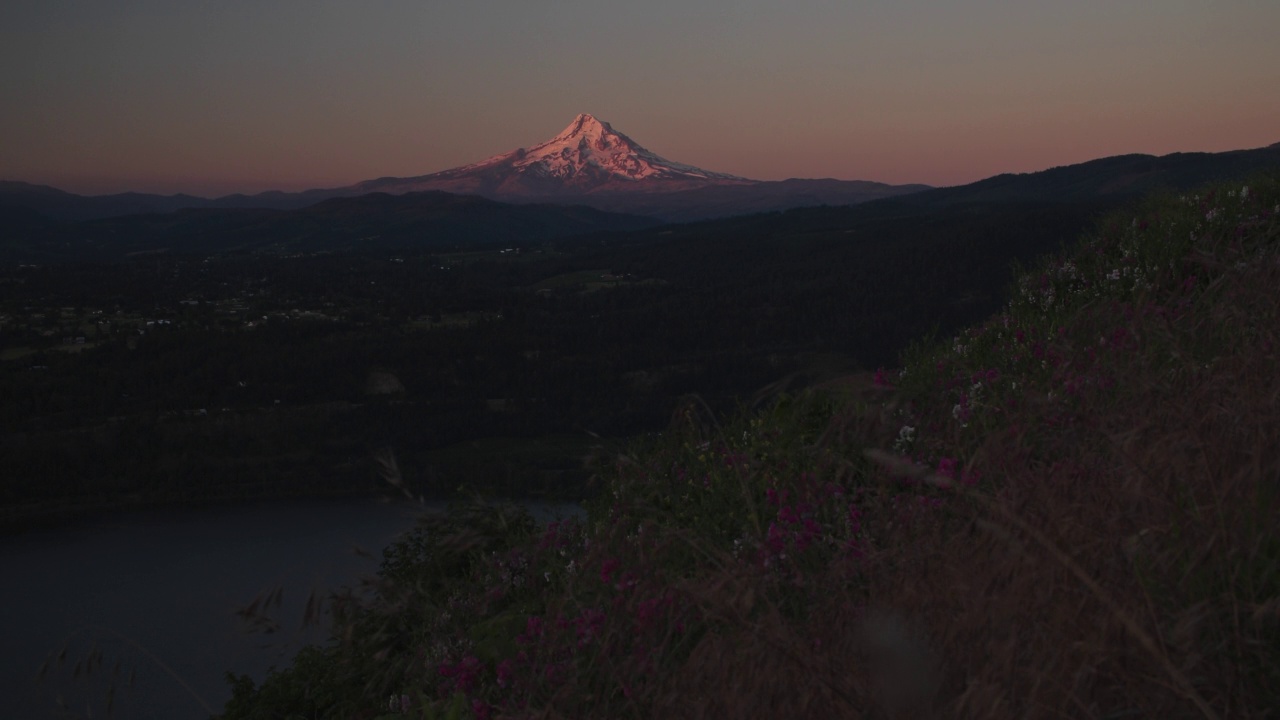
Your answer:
<point x="587" y="163"/>
<point x="607" y="170"/>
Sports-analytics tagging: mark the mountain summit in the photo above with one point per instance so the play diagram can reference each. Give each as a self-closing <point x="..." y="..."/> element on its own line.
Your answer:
<point x="587" y="157"/>
<point x="591" y="148"/>
<point x="588" y="163"/>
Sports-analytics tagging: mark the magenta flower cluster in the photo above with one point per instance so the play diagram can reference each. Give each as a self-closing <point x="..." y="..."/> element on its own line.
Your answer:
<point x="810" y="517"/>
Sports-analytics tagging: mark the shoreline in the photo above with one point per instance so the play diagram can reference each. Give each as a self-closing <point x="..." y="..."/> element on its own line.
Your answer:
<point x="20" y="519"/>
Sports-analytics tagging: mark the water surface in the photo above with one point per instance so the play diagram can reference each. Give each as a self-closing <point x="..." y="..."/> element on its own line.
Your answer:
<point x="158" y="591"/>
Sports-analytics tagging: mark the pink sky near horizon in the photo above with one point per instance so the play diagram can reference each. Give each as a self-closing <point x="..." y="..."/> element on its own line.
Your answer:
<point x="245" y="97"/>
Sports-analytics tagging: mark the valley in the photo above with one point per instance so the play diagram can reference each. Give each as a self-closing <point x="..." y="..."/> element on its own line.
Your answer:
<point x="507" y="367"/>
<point x="212" y="355"/>
<point x="504" y="361"/>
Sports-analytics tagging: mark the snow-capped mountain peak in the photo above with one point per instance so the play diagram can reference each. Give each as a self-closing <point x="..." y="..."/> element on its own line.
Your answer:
<point x="590" y="150"/>
<point x="587" y="157"/>
<point x="589" y="143"/>
<point x="584" y="126"/>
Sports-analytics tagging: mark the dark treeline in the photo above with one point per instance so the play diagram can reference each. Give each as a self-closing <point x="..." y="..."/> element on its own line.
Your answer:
<point x="172" y="377"/>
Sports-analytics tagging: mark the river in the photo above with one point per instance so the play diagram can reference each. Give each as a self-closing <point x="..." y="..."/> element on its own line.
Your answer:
<point x="157" y="592"/>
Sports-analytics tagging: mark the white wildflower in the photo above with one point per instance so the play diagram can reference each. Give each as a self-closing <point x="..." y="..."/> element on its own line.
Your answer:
<point x="906" y="436"/>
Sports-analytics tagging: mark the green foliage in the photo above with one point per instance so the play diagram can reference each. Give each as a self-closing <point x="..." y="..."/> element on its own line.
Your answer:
<point x="313" y="686"/>
<point x="771" y="530"/>
<point x="496" y="368"/>
<point x="707" y="478"/>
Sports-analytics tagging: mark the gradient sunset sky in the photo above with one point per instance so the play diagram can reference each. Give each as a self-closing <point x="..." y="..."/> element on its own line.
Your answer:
<point x="217" y="97"/>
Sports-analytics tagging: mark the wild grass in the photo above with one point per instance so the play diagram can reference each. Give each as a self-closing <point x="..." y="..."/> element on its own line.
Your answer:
<point x="1067" y="511"/>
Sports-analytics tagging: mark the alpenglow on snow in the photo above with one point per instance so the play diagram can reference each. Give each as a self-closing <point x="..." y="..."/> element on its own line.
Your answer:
<point x="588" y="156"/>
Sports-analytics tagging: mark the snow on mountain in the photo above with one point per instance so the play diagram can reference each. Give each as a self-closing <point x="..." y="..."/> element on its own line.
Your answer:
<point x="587" y="157"/>
<point x="588" y="145"/>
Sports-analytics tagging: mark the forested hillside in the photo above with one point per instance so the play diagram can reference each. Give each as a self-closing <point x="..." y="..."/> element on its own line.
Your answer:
<point x="178" y="377"/>
<point x="1069" y="506"/>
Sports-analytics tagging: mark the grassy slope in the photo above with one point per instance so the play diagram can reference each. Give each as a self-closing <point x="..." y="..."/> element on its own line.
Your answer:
<point x="1067" y="510"/>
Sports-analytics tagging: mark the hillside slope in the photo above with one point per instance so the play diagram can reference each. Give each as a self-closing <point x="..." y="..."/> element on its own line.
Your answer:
<point x="1071" y="505"/>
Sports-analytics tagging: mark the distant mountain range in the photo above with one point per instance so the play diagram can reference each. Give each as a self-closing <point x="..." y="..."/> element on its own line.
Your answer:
<point x="587" y="179"/>
<point x="588" y="163"/>
<point x="587" y="157"/>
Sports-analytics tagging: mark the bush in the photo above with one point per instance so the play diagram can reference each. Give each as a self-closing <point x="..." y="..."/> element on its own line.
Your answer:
<point x="1068" y="509"/>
